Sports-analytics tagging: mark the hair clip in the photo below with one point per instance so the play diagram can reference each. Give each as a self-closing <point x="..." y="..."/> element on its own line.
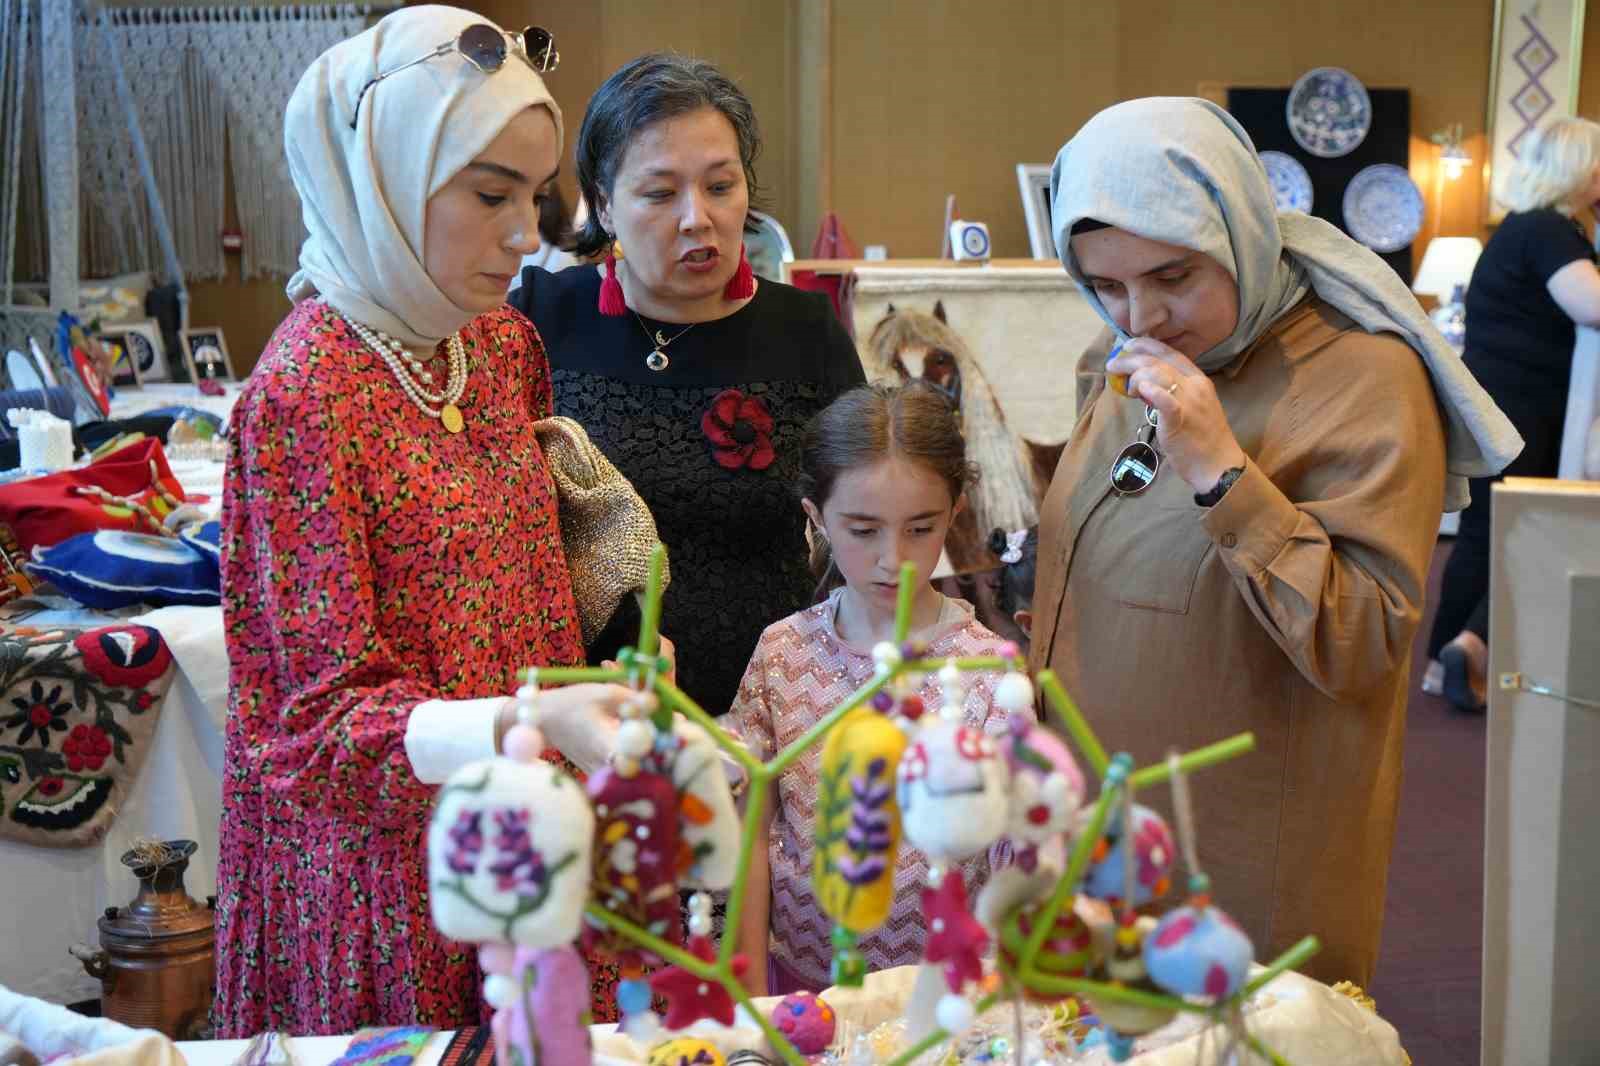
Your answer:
<point x="1014" y="543"/>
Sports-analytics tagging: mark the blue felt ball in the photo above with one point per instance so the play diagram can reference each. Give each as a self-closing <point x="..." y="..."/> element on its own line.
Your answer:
<point x="633" y="996"/>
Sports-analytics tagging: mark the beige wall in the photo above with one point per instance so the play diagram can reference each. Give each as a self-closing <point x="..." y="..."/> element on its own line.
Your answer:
<point x="879" y="108"/>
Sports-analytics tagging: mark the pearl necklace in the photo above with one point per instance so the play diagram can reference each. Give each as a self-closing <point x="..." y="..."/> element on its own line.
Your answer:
<point x="414" y="376"/>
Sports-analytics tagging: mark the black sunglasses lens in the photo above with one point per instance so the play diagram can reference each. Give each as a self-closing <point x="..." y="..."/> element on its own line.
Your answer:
<point x="484" y="46"/>
<point x="540" y="45"/>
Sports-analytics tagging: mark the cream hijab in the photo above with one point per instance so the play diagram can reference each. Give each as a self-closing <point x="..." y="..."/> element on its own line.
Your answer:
<point x="1183" y="171"/>
<point x="364" y="192"/>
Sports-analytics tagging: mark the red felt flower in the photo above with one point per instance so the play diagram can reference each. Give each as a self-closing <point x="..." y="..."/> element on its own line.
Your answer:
<point x="955" y="937"/>
<point x="86" y="748"/>
<point x="691" y="997"/>
<point x="739" y="428"/>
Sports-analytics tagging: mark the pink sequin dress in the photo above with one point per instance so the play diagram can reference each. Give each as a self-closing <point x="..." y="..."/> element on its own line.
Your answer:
<point x="802" y="669"/>
<point x="371" y="561"/>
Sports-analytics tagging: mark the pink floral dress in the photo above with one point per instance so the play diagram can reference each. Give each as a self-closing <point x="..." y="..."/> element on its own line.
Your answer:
<point x="371" y="561"/>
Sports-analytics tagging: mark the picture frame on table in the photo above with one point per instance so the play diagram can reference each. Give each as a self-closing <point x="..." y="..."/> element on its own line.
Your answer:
<point x="1534" y="67"/>
<point x="146" y="346"/>
<point x="206" y="356"/>
<point x="1033" y="181"/>
<point x="126" y="347"/>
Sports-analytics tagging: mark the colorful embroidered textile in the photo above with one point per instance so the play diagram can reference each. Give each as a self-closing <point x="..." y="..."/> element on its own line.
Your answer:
<point x="77" y="712"/>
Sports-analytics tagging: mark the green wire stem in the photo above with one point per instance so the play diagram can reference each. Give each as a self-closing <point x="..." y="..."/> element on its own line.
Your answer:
<point x="1060" y="985"/>
<point x="573" y="675"/>
<point x="650" y="621"/>
<point x="669" y="952"/>
<point x="797" y="747"/>
<point x="1289" y="960"/>
<point x="904" y="602"/>
<point x="1057" y="700"/>
<point x="1199" y="759"/>
<point x="932" y="666"/>
<point x="691" y="710"/>
<point x="755" y="806"/>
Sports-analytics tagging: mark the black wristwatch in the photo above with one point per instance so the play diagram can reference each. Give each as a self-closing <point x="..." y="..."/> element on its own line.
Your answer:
<point x="1220" y="489"/>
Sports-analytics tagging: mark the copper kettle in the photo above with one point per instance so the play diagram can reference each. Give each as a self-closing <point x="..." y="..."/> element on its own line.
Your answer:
<point x="156" y="961"/>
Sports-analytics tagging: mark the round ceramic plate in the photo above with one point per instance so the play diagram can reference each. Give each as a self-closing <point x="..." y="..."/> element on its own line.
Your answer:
<point x="1383" y="208"/>
<point x="1291" y="185"/>
<point x="1329" y="112"/>
<point x="23" y="374"/>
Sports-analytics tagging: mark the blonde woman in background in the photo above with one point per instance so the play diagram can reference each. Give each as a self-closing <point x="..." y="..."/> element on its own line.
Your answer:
<point x="1535" y="283"/>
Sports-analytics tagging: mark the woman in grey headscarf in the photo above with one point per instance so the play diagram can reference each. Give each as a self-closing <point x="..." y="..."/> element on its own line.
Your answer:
<point x="1238" y="535"/>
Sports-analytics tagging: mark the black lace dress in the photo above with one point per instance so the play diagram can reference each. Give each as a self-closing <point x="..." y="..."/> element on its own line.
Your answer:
<point x="720" y="483"/>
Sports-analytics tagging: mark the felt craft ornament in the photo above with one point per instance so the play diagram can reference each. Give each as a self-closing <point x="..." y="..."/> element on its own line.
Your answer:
<point x="1047" y="787"/>
<point x="708" y="821"/>
<point x="954" y="791"/>
<point x="541" y="1001"/>
<point x="857" y="832"/>
<point x="1154" y="852"/>
<point x="636" y="860"/>
<point x="508" y="854"/>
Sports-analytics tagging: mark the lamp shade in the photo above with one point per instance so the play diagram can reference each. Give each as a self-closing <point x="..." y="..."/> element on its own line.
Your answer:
<point x="1448" y="262"/>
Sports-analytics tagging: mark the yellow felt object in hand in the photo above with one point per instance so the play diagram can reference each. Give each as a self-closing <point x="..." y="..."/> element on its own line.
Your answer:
<point x="857" y="833"/>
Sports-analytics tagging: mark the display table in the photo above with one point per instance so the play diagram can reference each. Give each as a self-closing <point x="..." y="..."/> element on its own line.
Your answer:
<point x="56" y="895"/>
<point x="1305" y="1021"/>
<point x="132" y="402"/>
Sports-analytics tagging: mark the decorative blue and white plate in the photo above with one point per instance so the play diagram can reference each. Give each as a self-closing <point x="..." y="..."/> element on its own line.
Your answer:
<point x="1291" y="185"/>
<point x="1383" y="208"/>
<point x="1329" y="112"/>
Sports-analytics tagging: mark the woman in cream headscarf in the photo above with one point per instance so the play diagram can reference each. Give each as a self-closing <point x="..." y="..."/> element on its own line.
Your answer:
<point x="391" y="556"/>
<point x="1257" y="560"/>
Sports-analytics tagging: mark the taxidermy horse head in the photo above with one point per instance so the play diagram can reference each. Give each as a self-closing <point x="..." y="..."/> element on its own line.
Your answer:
<point x="908" y="344"/>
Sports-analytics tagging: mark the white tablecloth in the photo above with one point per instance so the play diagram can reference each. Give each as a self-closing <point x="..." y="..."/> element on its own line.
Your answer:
<point x="55" y="895"/>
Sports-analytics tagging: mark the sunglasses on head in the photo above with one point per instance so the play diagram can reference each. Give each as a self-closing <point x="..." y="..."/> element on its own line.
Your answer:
<point x="484" y="46"/>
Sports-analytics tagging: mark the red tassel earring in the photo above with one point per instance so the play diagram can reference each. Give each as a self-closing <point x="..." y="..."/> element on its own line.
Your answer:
<point x="742" y="285"/>
<point x="612" y="302"/>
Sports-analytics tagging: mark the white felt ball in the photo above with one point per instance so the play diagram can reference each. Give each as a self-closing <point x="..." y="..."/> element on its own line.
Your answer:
<point x="886" y="656"/>
<point x="950" y="682"/>
<point x="955" y="1015"/>
<point x="528" y="693"/>
<point x="1014" y="693"/>
<point x="635" y="738"/>
<point x="499" y="992"/>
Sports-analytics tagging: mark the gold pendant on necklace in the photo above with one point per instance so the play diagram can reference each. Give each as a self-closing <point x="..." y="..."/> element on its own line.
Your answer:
<point x="450" y="415"/>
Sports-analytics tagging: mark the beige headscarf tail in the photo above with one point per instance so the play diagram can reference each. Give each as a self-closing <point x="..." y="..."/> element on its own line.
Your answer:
<point x="1183" y="171"/>
<point x="364" y="192"/>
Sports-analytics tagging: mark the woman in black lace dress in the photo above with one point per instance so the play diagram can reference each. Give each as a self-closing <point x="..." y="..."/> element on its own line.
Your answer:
<point x="695" y="378"/>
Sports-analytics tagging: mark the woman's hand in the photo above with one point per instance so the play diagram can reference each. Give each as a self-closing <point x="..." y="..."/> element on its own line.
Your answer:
<point x="668" y="649"/>
<point x="1194" y="435"/>
<point x="580" y="721"/>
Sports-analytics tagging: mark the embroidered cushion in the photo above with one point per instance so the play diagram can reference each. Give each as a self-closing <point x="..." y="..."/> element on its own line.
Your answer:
<point x="114" y="568"/>
<point x="78" y="710"/>
<point x="47" y="510"/>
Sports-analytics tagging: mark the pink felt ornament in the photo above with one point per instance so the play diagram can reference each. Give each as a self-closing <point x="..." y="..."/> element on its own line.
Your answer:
<point x="544" y="1013"/>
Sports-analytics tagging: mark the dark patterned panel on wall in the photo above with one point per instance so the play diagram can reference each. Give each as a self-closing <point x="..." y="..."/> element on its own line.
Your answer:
<point x="1261" y="112"/>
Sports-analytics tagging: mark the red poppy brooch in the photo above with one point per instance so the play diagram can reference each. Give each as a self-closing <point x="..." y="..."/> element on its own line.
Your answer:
<point x="739" y="428"/>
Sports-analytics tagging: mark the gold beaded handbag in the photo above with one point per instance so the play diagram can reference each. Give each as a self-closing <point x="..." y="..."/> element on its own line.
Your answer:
<point x="607" y="531"/>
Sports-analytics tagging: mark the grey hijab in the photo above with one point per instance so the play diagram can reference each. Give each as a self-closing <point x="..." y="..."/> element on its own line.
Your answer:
<point x="1183" y="172"/>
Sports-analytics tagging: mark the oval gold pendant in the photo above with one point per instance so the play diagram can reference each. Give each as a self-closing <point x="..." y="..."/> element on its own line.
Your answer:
<point x="450" y="415"/>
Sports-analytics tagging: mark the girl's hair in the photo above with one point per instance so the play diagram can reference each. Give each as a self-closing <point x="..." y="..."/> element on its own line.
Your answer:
<point x="1016" y="579"/>
<point x="650" y="89"/>
<point x="914" y="422"/>
<point x="1556" y="161"/>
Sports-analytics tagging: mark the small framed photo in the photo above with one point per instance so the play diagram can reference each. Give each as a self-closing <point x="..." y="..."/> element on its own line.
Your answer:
<point x="141" y="355"/>
<point x="205" y="354"/>
<point x="1033" y="179"/>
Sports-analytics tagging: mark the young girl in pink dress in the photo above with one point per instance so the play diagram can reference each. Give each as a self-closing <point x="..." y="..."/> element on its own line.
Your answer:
<point x="883" y="474"/>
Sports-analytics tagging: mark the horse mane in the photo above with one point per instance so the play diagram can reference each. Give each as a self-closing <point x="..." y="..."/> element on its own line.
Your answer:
<point x="1004" y="493"/>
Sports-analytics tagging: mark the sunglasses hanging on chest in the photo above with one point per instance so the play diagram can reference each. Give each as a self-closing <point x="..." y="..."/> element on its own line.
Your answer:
<point x="1138" y="464"/>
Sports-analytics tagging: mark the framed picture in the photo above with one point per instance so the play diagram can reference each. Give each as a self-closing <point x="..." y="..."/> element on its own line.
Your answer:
<point x="1034" y="181"/>
<point x="124" y="347"/>
<point x="1534" y="67"/>
<point x="205" y="354"/>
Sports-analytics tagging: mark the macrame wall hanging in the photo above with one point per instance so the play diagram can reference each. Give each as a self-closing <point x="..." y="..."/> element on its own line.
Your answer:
<point x="201" y="77"/>
<point x="209" y="86"/>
